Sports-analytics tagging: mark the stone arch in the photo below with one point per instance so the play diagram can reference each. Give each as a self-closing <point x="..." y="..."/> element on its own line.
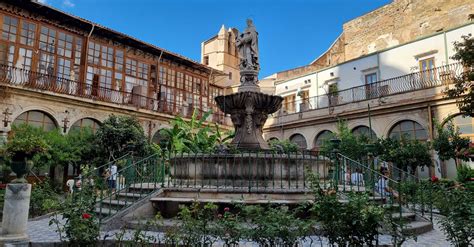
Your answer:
<point x="93" y="123"/>
<point x="53" y="114"/>
<point x="299" y="140"/>
<point x="363" y="130"/>
<point x="321" y="136"/>
<point x="37" y="118"/>
<point x="394" y="121"/>
<point x="408" y="127"/>
<point x="464" y="123"/>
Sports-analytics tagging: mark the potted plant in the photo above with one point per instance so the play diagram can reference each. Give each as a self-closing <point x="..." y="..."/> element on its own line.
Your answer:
<point x="21" y="149"/>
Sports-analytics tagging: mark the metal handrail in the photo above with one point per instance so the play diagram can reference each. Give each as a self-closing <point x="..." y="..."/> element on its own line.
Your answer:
<point x="34" y="80"/>
<point x="430" y="78"/>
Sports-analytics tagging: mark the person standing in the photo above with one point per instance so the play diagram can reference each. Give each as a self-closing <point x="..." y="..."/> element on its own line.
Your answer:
<point x="112" y="180"/>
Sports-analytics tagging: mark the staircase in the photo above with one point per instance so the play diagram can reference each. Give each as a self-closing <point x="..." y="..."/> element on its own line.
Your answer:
<point x="135" y="181"/>
<point x="138" y="180"/>
<point x="415" y="221"/>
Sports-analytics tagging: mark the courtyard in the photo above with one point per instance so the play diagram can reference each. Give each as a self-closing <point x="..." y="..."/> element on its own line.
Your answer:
<point x="108" y="140"/>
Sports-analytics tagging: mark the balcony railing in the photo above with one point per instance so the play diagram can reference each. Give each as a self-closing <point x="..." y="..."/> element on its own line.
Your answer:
<point x="426" y="79"/>
<point x="33" y="80"/>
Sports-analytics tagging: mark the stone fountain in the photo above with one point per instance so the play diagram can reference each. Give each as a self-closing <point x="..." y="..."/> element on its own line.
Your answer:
<point x="249" y="108"/>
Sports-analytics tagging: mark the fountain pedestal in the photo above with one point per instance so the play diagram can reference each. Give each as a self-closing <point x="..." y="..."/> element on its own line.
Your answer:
<point x="249" y="111"/>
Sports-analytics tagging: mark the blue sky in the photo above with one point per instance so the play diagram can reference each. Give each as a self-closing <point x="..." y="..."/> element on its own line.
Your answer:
<point x="292" y="33"/>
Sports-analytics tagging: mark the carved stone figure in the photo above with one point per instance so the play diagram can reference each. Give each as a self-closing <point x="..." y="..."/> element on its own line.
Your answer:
<point x="249" y="108"/>
<point x="247" y="45"/>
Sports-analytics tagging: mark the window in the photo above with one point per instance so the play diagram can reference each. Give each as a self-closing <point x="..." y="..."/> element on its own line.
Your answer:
<point x="370" y="78"/>
<point x="93" y="55"/>
<point x="299" y="140"/>
<point x="465" y="125"/>
<point x="6" y="54"/>
<point x="323" y="136"/>
<point x="46" y="63"/>
<point x="427" y="68"/>
<point x="24" y="58"/>
<point x="64" y="45"/>
<point x="10" y="28"/>
<point x="142" y="70"/>
<point x="131" y="67"/>
<point x="408" y="129"/>
<point x="171" y="78"/>
<point x="86" y="123"/>
<point x="206" y="60"/>
<point x="188" y="83"/>
<point x="77" y="51"/>
<point x="289" y="103"/>
<point x="37" y="119"/>
<point x="360" y="131"/>
<point x="180" y="80"/>
<point x="47" y="39"/>
<point x="230" y="75"/>
<point x="371" y="88"/>
<point x="119" y="60"/>
<point x="64" y="68"/>
<point x="304" y="105"/>
<point x="105" y="79"/>
<point x="107" y="56"/>
<point x="28" y="32"/>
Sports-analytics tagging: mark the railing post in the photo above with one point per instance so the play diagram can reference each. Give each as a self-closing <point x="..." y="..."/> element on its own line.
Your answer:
<point x="335" y="144"/>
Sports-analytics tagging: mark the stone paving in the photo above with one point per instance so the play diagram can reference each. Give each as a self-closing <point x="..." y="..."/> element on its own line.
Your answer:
<point x="40" y="231"/>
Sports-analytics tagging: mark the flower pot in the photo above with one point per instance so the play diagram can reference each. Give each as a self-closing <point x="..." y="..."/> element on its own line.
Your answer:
<point x="20" y="166"/>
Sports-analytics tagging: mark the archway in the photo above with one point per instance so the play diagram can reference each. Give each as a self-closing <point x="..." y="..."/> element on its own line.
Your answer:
<point x="321" y="137"/>
<point x="299" y="140"/>
<point x="91" y="123"/>
<point x="37" y="119"/>
<point x="408" y="129"/>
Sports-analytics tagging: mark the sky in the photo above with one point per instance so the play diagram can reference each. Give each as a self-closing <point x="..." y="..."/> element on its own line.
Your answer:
<point x="292" y="33"/>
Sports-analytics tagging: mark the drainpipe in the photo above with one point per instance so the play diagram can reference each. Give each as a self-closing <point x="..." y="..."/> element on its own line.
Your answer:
<point x="446" y="48"/>
<point x="84" y="58"/>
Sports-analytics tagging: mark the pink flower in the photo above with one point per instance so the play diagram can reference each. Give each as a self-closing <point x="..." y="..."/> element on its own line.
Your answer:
<point x="226" y="209"/>
<point x="434" y="179"/>
<point x="86" y="216"/>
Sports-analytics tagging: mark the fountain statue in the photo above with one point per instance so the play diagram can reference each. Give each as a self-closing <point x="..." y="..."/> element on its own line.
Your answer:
<point x="249" y="108"/>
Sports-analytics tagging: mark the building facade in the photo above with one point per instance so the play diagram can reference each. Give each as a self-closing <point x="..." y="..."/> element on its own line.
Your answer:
<point x="61" y="71"/>
<point x="399" y="85"/>
<point x="57" y="70"/>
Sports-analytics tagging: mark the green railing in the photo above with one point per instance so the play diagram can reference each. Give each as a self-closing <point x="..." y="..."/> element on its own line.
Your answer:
<point x="137" y="179"/>
<point x="252" y="172"/>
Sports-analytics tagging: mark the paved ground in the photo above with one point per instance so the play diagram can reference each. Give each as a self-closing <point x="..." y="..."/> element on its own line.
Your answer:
<point x="40" y="231"/>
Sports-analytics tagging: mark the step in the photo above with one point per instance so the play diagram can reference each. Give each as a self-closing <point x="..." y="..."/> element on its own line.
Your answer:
<point x="105" y="211"/>
<point x="116" y="204"/>
<point x="131" y="196"/>
<point x="406" y="216"/>
<point x="221" y="200"/>
<point x="418" y="227"/>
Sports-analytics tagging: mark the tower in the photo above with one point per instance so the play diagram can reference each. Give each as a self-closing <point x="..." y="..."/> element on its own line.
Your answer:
<point x="219" y="52"/>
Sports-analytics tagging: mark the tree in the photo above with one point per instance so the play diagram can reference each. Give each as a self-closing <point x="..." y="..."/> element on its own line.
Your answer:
<point x="119" y="135"/>
<point x="463" y="90"/>
<point x="449" y="144"/>
<point x="405" y="153"/>
<point x="351" y="145"/>
<point x="193" y="135"/>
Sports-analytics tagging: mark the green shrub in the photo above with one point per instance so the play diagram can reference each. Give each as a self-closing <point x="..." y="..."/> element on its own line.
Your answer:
<point x="284" y="146"/>
<point x="465" y="173"/>
<point x="44" y="199"/>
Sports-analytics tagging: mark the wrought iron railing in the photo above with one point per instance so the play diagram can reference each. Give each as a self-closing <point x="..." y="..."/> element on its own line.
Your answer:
<point x="33" y="80"/>
<point x="431" y="78"/>
<point x="262" y="171"/>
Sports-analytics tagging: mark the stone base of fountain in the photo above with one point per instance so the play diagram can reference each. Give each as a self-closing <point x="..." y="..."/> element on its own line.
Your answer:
<point x="254" y="170"/>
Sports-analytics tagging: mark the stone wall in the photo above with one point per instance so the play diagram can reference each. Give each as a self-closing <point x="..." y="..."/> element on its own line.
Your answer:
<point x="402" y="21"/>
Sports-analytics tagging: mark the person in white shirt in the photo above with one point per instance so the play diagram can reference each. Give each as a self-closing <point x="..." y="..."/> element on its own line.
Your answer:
<point x="357" y="178"/>
<point x="112" y="179"/>
<point x="382" y="186"/>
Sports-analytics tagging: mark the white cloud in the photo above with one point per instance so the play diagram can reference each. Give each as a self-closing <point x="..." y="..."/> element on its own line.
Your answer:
<point x="67" y="3"/>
